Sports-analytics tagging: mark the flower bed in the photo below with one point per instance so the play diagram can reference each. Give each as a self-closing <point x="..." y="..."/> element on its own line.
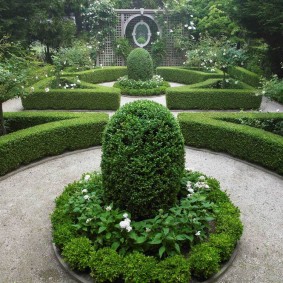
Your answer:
<point x="93" y="235"/>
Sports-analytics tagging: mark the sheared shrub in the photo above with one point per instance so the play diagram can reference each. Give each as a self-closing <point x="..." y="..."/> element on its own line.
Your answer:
<point x="77" y="253"/>
<point x="143" y="159"/>
<point x="106" y="265"/>
<point x="140" y="65"/>
<point x="174" y="269"/>
<point x="204" y="261"/>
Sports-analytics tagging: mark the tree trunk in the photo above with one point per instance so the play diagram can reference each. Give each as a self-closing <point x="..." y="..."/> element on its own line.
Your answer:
<point x="2" y="126"/>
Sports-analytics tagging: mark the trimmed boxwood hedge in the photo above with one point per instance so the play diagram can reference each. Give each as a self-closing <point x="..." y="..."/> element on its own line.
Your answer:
<point x="185" y="97"/>
<point x="255" y="145"/>
<point x="99" y="98"/>
<point x="185" y="76"/>
<point x="244" y="75"/>
<point x="100" y="75"/>
<point x="61" y="132"/>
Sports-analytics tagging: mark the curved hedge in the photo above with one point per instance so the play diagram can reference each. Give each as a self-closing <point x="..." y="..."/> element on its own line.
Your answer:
<point x="100" y="75"/>
<point x="61" y="132"/>
<point x="185" y="76"/>
<point x="210" y="131"/>
<point x="244" y="75"/>
<point x="185" y="97"/>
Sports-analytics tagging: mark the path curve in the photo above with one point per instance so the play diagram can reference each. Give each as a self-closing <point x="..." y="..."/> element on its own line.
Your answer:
<point x="26" y="200"/>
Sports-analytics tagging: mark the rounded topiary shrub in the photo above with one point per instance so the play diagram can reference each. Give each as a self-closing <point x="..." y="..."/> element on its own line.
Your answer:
<point x="142" y="159"/>
<point x="140" y="65"/>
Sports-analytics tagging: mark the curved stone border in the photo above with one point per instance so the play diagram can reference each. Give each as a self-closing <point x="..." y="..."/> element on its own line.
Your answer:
<point x="85" y="278"/>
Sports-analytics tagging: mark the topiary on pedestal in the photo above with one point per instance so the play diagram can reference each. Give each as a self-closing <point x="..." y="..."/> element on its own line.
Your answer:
<point x="143" y="159"/>
<point x="140" y="65"/>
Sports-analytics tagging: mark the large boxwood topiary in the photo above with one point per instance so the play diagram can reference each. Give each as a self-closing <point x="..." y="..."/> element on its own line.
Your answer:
<point x="140" y="65"/>
<point x="142" y="159"/>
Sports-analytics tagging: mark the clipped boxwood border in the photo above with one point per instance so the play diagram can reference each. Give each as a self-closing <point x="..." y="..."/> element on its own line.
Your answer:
<point x="222" y="240"/>
<point x="244" y="75"/>
<point x="185" y="98"/>
<point x="185" y="76"/>
<point x="211" y="131"/>
<point x="61" y="132"/>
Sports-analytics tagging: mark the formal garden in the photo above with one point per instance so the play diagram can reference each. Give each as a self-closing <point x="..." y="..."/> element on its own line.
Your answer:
<point x="88" y="74"/>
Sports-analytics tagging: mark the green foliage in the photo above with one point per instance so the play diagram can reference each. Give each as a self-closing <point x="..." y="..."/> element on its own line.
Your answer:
<point x="106" y="265"/>
<point x="244" y="75"/>
<point x="205" y="131"/>
<point x="204" y="261"/>
<point x="62" y="234"/>
<point x="224" y="243"/>
<point x="97" y="98"/>
<point x="77" y="253"/>
<point x="158" y="51"/>
<point x="174" y="269"/>
<point x="123" y="48"/>
<point x="71" y="131"/>
<point x="273" y="88"/>
<point x="185" y="76"/>
<point x="191" y="98"/>
<point x="143" y="159"/>
<point x="140" y="65"/>
<point x="138" y="268"/>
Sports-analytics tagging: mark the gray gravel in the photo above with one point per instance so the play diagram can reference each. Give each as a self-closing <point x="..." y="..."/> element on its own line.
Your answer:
<point x="26" y="200"/>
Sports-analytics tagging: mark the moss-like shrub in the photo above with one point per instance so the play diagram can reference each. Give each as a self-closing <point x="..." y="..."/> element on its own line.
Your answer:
<point x="106" y="265"/>
<point x="77" y="253"/>
<point x="63" y="234"/>
<point x="143" y="159"/>
<point x="174" y="269"/>
<point x="204" y="261"/>
<point x="139" y="268"/>
<point x="224" y="243"/>
<point x="244" y="75"/>
<point x="140" y="65"/>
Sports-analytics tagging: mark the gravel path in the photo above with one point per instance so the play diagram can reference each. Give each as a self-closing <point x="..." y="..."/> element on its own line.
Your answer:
<point x="26" y="200"/>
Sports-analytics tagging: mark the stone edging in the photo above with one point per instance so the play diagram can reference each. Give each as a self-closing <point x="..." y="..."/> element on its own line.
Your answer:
<point x="85" y="278"/>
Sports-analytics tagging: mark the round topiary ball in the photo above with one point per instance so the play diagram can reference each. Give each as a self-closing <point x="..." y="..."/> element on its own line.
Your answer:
<point x="140" y="65"/>
<point x="142" y="159"/>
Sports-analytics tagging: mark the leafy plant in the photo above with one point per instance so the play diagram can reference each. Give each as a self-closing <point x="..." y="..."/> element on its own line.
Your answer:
<point x="123" y="48"/>
<point x="272" y="88"/>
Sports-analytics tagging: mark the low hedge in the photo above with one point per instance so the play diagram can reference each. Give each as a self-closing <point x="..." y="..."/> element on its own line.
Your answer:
<point x="252" y="144"/>
<point x="98" y="98"/>
<point x="185" y="76"/>
<point x="61" y="132"/>
<point x="100" y="75"/>
<point x="244" y="75"/>
<point x="187" y="98"/>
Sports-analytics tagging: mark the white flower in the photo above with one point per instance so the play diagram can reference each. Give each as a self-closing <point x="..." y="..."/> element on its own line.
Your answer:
<point x="78" y="81"/>
<point x="263" y="92"/>
<point x="32" y="89"/>
<point x="201" y="178"/>
<point x="129" y="229"/>
<point x="191" y="191"/>
<point x="125" y="215"/>
<point x="86" y="178"/>
<point x="277" y="110"/>
<point x="171" y="30"/>
<point x="197" y="233"/>
<point x="189" y="195"/>
<point x="158" y="33"/>
<point x="84" y="191"/>
<point x="36" y="77"/>
<point x="46" y="75"/>
<point x="186" y="25"/>
<point x="108" y="208"/>
<point x="236" y="82"/>
<point x="86" y="197"/>
<point x="147" y="230"/>
<point x="88" y="220"/>
<point x="46" y="89"/>
<point x="59" y="85"/>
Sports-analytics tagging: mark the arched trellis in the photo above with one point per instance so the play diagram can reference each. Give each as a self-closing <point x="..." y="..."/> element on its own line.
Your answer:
<point x="125" y="17"/>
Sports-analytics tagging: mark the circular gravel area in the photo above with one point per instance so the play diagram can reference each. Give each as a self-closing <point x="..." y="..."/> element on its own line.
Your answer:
<point x="27" y="199"/>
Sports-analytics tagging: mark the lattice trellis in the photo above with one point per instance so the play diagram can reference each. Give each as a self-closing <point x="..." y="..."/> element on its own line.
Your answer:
<point x="126" y="19"/>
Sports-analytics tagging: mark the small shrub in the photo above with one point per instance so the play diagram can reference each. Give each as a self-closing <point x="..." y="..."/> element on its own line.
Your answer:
<point x="106" y="265"/>
<point x="174" y="269"/>
<point x="143" y="159"/>
<point x="63" y="233"/>
<point x="140" y="65"/>
<point x="273" y="88"/>
<point x="139" y="268"/>
<point x="204" y="261"/>
<point x="77" y="253"/>
<point x="224" y="243"/>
